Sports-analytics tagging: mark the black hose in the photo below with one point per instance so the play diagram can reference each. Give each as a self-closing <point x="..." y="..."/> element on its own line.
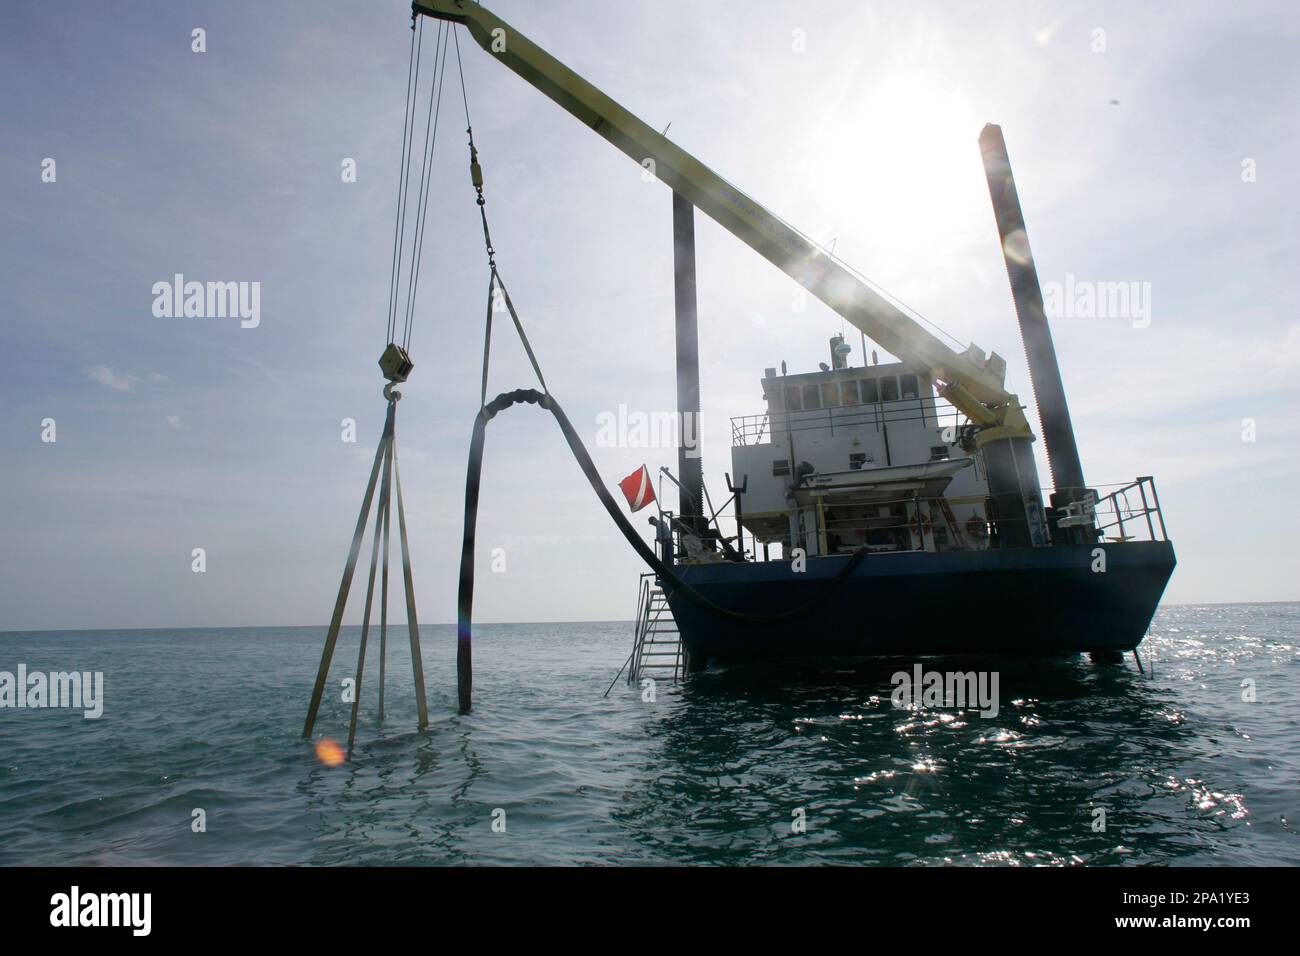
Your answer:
<point x="672" y="582"/>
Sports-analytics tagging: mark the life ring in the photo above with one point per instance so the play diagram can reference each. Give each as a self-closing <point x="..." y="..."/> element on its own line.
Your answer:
<point x="921" y="524"/>
<point x="977" y="527"/>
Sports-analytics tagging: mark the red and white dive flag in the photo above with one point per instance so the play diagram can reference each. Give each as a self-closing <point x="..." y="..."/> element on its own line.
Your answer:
<point x="636" y="487"/>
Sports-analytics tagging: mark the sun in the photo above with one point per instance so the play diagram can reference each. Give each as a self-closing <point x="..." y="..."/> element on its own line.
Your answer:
<point x="908" y="156"/>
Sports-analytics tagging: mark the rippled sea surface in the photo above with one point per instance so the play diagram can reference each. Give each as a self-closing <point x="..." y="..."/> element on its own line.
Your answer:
<point x="1187" y="768"/>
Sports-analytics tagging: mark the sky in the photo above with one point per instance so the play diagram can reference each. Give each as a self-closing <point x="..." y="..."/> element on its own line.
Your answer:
<point x="1152" y="143"/>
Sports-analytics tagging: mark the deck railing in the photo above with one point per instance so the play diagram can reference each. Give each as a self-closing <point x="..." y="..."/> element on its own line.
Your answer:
<point x="1132" y="511"/>
<point x="929" y="412"/>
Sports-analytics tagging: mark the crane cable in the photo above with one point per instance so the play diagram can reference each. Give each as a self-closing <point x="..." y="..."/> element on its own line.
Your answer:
<point x="495" y="282"/>
<point x="401" y="186"/>
<point x="422" y="202"/>
<point x="420" y="213"/>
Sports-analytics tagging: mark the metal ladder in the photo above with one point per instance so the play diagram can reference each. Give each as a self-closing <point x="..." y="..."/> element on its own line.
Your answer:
<point x="657" y="651"/>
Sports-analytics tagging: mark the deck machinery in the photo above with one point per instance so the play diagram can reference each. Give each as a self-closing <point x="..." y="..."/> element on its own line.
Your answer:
<point x="926" y="462"/>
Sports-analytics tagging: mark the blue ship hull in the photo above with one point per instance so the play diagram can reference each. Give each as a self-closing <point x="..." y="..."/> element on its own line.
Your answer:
<point x="1021" y="601"/>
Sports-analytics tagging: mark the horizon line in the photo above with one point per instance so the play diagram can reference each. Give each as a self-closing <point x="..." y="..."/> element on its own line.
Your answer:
<point x="249" y="627"/>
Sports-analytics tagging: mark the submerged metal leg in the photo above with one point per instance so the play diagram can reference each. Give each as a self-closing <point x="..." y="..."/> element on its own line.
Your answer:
<point x="345" y="585"/>
<point x="370" y="594"/>
<point x="383" y="595"/>
<point x="417" y="667"/>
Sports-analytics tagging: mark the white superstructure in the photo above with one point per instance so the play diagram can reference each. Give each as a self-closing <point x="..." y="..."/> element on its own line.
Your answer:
<point x="852" y="456"/>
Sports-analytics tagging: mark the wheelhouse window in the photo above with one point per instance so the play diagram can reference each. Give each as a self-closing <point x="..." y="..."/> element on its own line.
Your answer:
<point x="849" y="393"/>
<point x="911" y="386"/>
<point x="888" y="389"/>
<point x="870" y="391"/>
<point x="812" y="397"/>
<point x="792" y="400"/>
<point x="830" y="394"/>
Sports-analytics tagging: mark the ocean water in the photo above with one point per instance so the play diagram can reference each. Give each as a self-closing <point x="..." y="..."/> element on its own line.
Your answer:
<point x="714" y="771"/>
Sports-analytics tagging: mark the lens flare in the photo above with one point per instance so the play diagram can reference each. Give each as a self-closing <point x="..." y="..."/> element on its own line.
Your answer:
<point x="328" y="752"/>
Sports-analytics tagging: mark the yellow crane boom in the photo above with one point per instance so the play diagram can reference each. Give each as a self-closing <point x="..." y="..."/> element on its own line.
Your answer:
<point x="970" y="381"/>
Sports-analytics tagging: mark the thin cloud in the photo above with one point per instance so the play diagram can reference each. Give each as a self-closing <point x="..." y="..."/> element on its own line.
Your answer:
<point x="110" y="379"/>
